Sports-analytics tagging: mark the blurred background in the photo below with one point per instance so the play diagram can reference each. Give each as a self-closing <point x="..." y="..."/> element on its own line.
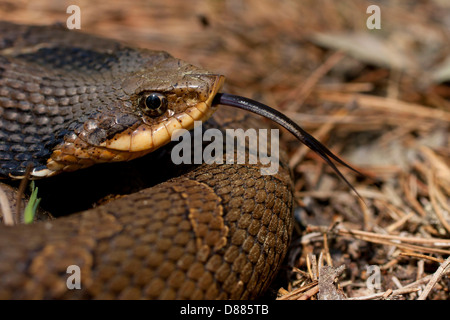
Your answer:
<point x="378" y="97"/>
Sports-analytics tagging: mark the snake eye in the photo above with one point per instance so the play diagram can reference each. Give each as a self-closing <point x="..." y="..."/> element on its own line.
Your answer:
<point x="154" y="104"/>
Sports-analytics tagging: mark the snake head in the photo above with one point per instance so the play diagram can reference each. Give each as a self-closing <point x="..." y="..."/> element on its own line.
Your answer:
<point x="146" y="106"/>
<point x="167" y="96"/>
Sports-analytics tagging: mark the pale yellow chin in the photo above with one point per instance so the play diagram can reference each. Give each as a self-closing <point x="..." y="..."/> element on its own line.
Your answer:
<point x="149" y="138"/>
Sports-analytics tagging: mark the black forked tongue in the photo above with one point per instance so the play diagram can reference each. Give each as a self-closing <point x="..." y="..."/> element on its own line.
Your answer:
<point x="291" y="126"/>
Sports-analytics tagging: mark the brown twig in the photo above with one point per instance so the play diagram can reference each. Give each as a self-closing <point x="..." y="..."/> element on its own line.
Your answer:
<point x="296" y="293"/>
<point x="308" y="294"/>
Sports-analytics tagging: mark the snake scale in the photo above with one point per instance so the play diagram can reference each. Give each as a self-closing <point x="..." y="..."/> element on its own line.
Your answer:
<point x="69" y="100"/>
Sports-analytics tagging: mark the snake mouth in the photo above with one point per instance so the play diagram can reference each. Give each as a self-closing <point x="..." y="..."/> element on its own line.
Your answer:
<point x="137" y="141"/>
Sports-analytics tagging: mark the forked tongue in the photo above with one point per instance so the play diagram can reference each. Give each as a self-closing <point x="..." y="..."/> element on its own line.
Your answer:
<point x="276" y="116"/>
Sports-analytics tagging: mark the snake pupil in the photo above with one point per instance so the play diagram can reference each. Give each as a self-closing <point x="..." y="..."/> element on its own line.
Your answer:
<point x="153" y="101"/>
<point x="155" y="104"/>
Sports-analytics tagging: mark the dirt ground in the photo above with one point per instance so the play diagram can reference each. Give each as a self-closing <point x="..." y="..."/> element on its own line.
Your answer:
<point x="380" y="98"/>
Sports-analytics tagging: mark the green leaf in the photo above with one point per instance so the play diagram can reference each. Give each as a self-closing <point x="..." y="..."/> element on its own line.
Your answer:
<point x="33" y="203"/>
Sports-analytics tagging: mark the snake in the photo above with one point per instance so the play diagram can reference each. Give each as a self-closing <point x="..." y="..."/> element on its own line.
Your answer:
<point x="73" y="103"/>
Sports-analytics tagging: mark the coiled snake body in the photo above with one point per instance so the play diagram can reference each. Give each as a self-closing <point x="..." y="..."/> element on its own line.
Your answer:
<point x="69" y="100"/>
<point x="207" y="231"/>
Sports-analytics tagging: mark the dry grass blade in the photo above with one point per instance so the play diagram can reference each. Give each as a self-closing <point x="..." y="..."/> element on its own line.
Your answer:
<point x="421" y="256"/>
<point x="8" y="218"/>
<point x="386" y="294"/>
<point x="387" y="104"/>
<point x="394" y="239"/>
<point x="436" y="276"/>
